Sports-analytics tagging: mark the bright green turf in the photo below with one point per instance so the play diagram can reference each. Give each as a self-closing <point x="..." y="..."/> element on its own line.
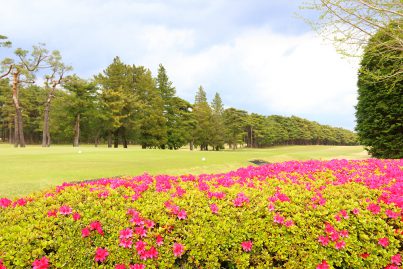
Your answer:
<point x="33" y="168"/>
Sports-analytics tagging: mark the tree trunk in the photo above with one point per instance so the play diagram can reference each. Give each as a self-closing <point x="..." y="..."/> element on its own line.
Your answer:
<point x="116" y="139"/>
<point x="76" y="142"/>
<point x="10" y="132"/>
<point x="109" y="139"/>
<point x="45" y="131"/>
<point x="191" y="145"/>
<point x="19" y="134"/>
<point x="97" y="139"/>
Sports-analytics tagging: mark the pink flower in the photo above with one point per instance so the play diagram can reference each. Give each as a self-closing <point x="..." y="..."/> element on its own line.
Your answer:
<point x="323" y="265"/>
<point x="42" y="263"/>
<point x="396" y="259"/>
<point x="182" y="214"/>
<point x="391" y="266"/>
<point x="391" y="214"/>
<point x="2" y="266"/>
<point x="340" y="245"/>
<point x="65" y="210"/>
<point x="271" y="207"/>
<point x="178" y="249"/>
<point x="96" y="225"/>
<point x="101" y="254"/>
<point x="21" y="202"/>
<point x="140" y="246"/>
<point x="152" y="253"/>
<point x="85" y="232"/>
<point x="329" y="229"/>
<point x="384" y="242"/>
<point x="137" y="266"/>
<point x="214" y="208"/>
<point x="76" y="216"/>
<point x="52" y="213"/>
<point x="344" y="233"/>
<point x="120" y="266"/>
<point x="126" y="243"/>
<point x="141" y="231"/>
<point x="278" y="218"/>
<point x="324" y="240"/>
<point x="374" y="208"/>
<point x="247" y="245"/>
<point x="241" y="199"/>
<point x="337" y="217"/>
<point x="289" y="223"/>
<point x="356" y="211"/>
<point x="159" y="240"/>
<point x="103" y="194"/>
<point x="149" y="224"/>
<point x="344" y="214"/>
<point x="126" y="233"/>
<point x="4" y="202"/>
<point x="335" y="236"/>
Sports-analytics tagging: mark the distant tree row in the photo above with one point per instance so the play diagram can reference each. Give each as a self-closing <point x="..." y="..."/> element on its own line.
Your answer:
<point x="125" y="105"/>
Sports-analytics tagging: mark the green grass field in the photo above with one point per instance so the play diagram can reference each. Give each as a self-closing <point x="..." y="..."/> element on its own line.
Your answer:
<point x="25" y="170"/>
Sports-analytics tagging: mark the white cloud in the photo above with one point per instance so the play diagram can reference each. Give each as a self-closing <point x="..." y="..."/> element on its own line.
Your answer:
<point x="252" y="67"/>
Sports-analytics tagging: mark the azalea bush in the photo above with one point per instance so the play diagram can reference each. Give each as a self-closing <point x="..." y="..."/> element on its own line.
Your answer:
<point x="314" y="214"/>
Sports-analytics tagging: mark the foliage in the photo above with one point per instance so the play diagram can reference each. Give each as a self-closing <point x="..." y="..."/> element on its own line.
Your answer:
<point x="346" y="214"/>
<point x="350" y="24"/>
<point x="379" y="109"/>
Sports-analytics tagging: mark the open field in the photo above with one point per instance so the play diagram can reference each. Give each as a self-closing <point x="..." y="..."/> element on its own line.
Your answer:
<point x="34" y="168"/>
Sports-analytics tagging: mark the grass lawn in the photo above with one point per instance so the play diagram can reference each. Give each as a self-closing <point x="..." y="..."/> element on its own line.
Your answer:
<point x="25" y="170"/>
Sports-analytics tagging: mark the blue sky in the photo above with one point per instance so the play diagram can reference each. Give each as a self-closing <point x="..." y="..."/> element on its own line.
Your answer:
<point x="257" y="54"/>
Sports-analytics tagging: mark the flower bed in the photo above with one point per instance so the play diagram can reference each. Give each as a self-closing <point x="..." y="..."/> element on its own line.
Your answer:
<point x="334" y="214"/>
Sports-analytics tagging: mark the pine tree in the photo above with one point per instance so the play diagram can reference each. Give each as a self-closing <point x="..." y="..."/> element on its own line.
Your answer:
<point x="217" y="123"/>
<point x="203" y="115"/>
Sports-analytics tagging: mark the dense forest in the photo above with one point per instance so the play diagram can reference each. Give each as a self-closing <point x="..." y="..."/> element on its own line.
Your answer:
<point x="126" y="105"/>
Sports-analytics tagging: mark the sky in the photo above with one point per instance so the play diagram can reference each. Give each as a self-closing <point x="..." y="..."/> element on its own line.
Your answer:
<point x="257" y="54"/>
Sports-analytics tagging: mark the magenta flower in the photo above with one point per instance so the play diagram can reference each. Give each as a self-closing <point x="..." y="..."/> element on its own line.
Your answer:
<point x="159" y="240"/>
<point x="214" y="208"/>
<point x="126" y="243"/>
<point x="324" y="240"/>
<point x="4" y="202"/>
<point x="391" y="214"/>
<point x="178" y="249"/>
<point x="396" y="259"/>
<point x="344" y="214"/>
<point x="149" y="224"/>
<point x="76" y="216"/>
<point x="374" y="208"/>
<point x="323" y="265"/>
<point x="96" y="225"/>
<point x="120" y="266"/>
<point x="101" y="254"/>
<point x="126" y="233"/>
<point x="335" y="236"/>
<point x="2" y="266"/>
<point x="42" y="263"/>
<point x="141" y="231"/>
<point x="289" y="223"/>
<point x="52" y="213"/>
<point x="140" y="246"/>
<point x="247" y="246"/>
<point x="344" y="233"/>
<point x="137" y="266"/>
<point x="340" y="245"/>
<point x="85" y="232"/>
<point x="65" y="210"/>
<point x="182" y="214"/>
<point x="278" y="218"/>
<point x="356" y="211"/>
<point x="152" y="253"/>
<point x="384" y="242"/>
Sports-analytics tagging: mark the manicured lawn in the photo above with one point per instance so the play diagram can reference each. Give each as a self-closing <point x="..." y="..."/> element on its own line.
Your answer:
<point x="34" y="168"/>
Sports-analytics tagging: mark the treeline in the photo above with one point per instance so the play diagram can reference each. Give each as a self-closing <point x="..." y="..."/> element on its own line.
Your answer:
<point x="125" y="105"/>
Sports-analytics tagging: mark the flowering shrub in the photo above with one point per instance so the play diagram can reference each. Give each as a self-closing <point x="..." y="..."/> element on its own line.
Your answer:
<point x="333" y="214"/>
